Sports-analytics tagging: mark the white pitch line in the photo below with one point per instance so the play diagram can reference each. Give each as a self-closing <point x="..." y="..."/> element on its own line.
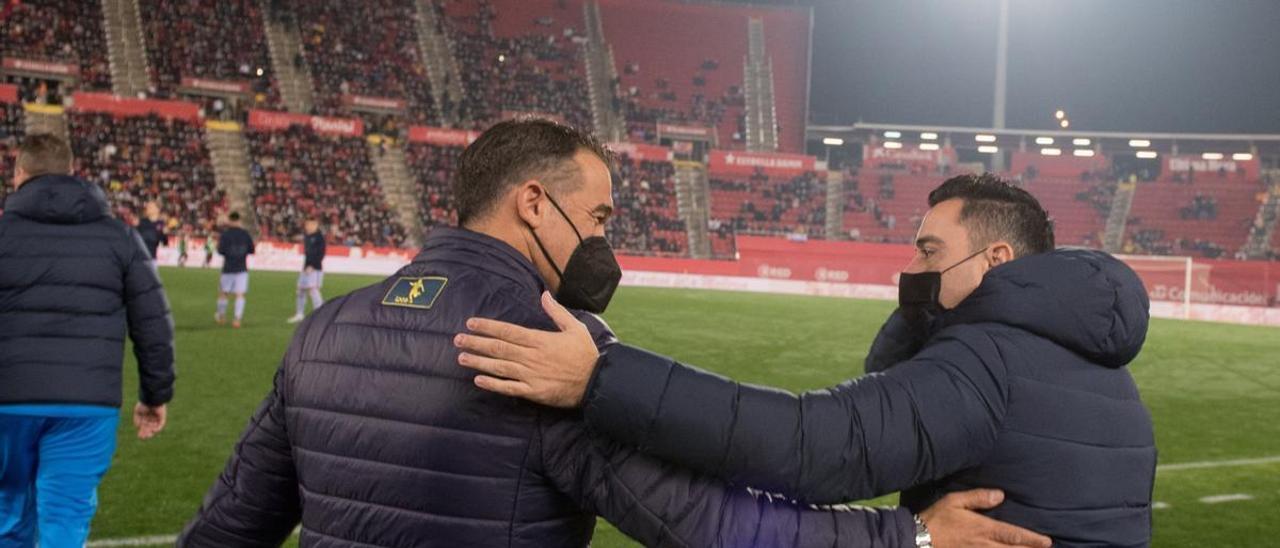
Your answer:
<point x="154" y="540"/>
<point x="1216" y="464"/>
<point x="1215" y="499"/>
<point x="1159" y="505"/>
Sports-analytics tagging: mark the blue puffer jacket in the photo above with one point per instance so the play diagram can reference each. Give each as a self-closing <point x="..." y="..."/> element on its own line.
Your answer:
<point x="374" y="436"/>
<point x="1022" y="387"/>
<point x="73" y="281"/>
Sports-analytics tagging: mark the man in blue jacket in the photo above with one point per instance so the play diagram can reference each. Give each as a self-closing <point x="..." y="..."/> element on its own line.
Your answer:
<point x="372" y="436"/>
<point x="311" y="279"/>
<point x="73" y="281"/>
<point x="1005" y="367"/>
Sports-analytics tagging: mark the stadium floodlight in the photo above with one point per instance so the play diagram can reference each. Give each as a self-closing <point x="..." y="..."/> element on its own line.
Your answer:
<point x="1051" y="152"/>
<point x="832" y="141"/>
<point x="988" y="149"/>
<point x="1212" y="156"/>
<point x="1242" y="156"/>
<point x="892" y="144"/>
<point x="1060" y="114"/>
<point x="1081" y="142"/>
<point x="1065" y="123"/>
<point x="893" y="135"/>
<point x="502" y="58"/>
<point x="1147" y="154"/>
<point x="1044" y="140"/>
<point x="984" y="138"/>
<point x="928" y="136"/>
<point x="1139" y="143"/>
<point x="1082" y="152"/>
<point x="929" y="146"/>
<point x="260" y="71"/>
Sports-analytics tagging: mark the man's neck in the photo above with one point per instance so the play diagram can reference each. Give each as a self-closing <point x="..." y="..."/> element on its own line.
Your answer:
<point x="505" y="233"/>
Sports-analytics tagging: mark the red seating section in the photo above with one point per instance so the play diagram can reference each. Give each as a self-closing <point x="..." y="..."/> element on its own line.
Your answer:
<point x="1156" y="224"/>
<point x="12" y="128"/>
<point x="646" y="218"/>
<point x="433" y="168"/>
<point x="297" y="173"/>
<point x="67" y="31"/>
<point x="770" y="205"/>
<point x="693" y="33"/>
<point x="148" y="158"/>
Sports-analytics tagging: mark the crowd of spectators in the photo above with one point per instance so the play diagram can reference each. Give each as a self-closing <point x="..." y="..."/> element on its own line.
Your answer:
<point x="215" y="39"/>
<point x="1201" y="208"/>
<point x="367" y="48"/>
<point x="148" y="158"/>
<point x="65" y="31"/>
<point x="788" y="206"/>
<point x="541" y="72"/>
<point x="11" y="131"/>
<point x="433" y="167"/>
<point x="298" y="174"/>
<point x="646" y="219"/>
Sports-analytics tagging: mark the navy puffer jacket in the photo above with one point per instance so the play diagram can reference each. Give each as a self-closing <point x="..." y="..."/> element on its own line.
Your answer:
<point x="73" y="281"/>
<point x="1022" y="387"/>
<point x="374" y="436"/>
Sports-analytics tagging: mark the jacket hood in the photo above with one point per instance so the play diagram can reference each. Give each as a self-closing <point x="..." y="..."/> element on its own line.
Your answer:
<point x="1087" y="301"/>
<point x="58" y="199"/>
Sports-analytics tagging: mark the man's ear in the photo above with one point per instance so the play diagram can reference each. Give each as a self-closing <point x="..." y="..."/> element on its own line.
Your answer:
<point x="529" y="203"/>
<point x="1001" y="252"/>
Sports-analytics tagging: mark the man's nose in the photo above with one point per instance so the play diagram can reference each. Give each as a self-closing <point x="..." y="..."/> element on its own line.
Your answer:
<point x="916" y="266"/>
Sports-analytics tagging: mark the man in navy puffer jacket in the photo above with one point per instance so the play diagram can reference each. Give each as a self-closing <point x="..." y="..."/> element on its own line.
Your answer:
<point x="372" y="436"/>
<point x="1004" y="368"/>
<point x="73" y="282"/>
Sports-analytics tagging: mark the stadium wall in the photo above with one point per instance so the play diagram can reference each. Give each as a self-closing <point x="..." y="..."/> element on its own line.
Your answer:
<point x="821" y="268"/>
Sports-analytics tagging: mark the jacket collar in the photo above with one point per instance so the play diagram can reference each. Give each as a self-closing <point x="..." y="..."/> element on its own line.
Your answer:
<point x="480" y="251"/>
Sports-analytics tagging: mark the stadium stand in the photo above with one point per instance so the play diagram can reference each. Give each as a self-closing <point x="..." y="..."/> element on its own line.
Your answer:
<point x="12" y="128"/>
<point x="345" y="57"/>
<point x="1207" y="215"/>
<point x="298" y="173"/>
<point x="64" y="31"/>
<point x="522" y="57"/>
<point x="685" y="78"/>
<point x="433" y="167"/>
<point x="765" y="205"/>
<point x="139" y="159"/>
<point x="1078" y="206"/>
<point x="646" y="219"/>
<point x="216" y="39"/>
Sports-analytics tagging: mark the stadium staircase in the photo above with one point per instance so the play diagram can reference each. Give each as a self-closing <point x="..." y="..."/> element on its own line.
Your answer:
<point x="126" y="50"/>
<point x="285" y="45"/>
<point x="762" y="126"/>
<point x="1268" y="213"/>
<point x="46" y="119"/>
<point x="1121" y="203"/>
<point x="692" y="199"/>
<point x="442" y="67"/>
<point x="397" y="186"/>
<point x="229" y="153"/>
<point x="601" y="73"/>
<point x="835" y="206"/>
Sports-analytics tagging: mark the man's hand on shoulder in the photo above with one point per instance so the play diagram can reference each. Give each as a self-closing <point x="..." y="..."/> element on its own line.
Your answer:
<point x="548" y="367"/>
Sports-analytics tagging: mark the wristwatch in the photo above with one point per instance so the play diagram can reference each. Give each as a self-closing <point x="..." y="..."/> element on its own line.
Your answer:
<point x="923" y="538"/>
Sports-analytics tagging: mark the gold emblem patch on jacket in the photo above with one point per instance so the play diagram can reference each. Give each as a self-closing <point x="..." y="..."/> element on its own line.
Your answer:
<point x="415" y="292"/>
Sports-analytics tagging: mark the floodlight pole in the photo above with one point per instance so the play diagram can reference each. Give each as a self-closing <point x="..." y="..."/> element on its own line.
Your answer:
<point x="1002" y="78"/>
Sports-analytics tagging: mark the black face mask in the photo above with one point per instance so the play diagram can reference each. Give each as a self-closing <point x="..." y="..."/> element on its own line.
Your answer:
<point x="919" y="293"/>
<point x="592" y="274"/>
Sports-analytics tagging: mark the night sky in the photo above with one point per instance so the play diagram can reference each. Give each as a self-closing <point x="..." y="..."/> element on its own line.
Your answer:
<point x="1210" y="66"/>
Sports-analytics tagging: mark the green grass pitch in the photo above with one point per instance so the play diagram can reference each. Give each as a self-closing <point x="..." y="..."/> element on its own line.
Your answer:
<point x="1214" y="391"/>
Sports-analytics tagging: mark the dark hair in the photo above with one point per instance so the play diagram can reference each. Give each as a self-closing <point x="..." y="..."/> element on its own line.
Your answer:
<point x="234" y="216"/>
<point x="44" y="154"/>
<point x="996" y="210"/>
<point x="514" y="151"/>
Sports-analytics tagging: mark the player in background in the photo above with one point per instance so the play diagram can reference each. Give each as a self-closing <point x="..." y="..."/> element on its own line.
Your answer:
<point x="151" y="228"/>
<point x="312" y="277"/>
<point x="235" y="245"/>
<point x="209" y="247"/>
<point x="184" y="235"/>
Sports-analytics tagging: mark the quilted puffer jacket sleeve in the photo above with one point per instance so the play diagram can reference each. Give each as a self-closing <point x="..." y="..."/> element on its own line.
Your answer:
<point x="150" y="324"/>
<point x="663" y="505"/>
<point x="254" y="502"/>
<point x="920" y="420"/>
